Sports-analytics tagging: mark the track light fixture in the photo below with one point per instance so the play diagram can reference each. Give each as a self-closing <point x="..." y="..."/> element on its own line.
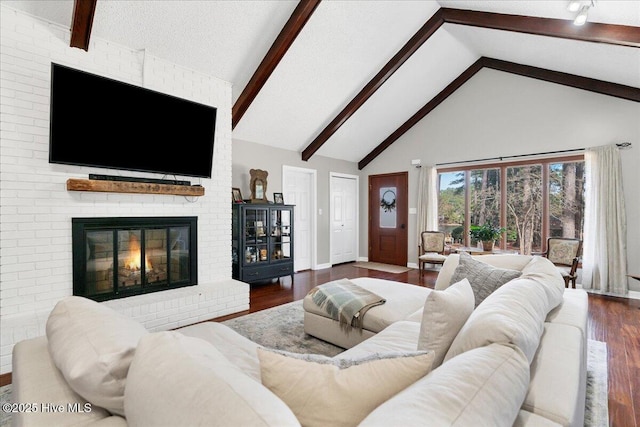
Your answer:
<point x="582" y="7"/>
<point x="574" y="6"/>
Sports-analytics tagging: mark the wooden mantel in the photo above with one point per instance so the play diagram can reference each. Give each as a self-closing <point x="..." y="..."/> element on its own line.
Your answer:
<point x="74" y="184"/>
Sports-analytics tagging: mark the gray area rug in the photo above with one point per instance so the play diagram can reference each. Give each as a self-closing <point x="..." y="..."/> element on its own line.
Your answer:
<point x="282" y="328"/>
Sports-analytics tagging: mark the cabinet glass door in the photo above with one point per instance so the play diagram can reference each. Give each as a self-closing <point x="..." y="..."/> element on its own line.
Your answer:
<point x="256" y="248"/>
<point x="281" y="234"/>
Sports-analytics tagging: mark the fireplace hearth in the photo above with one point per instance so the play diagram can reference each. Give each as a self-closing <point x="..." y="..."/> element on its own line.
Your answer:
<point x="118" y="257"/>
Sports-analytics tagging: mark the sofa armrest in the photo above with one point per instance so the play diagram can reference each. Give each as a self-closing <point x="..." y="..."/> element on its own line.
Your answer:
<point x="36" y="381"/>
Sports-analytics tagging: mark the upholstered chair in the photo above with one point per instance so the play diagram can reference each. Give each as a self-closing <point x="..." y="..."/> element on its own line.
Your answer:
<point x="565" y="254"/>
<point x="431" y="249"/>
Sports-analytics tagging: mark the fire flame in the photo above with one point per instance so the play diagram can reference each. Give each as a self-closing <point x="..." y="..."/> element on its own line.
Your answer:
<point x="133" y="261"/>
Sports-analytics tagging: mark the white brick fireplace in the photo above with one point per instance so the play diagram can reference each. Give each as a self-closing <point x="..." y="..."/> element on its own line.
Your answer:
<point x="36" y="209"/>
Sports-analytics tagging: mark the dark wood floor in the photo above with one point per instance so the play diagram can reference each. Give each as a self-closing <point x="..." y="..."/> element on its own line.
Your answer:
<point x="615" y="321"/>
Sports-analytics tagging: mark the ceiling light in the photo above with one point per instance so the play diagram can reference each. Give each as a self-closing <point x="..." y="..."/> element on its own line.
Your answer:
<point x="574" y="6"/>
<point x="581" y="18"/>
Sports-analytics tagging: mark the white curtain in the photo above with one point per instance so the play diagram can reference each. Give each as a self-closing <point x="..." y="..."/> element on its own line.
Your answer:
<point x="427" y="200"/>
<point x="604" y="261"/>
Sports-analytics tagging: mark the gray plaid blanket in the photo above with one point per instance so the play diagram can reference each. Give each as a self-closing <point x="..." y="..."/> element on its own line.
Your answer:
<point x="345" y="301"/>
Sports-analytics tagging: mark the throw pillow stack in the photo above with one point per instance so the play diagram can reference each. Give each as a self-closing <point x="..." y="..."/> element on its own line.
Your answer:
<point x="484" y="329"/>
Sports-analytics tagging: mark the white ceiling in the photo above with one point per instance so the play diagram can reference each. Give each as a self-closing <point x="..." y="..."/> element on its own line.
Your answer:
<point x="343" y="45"/>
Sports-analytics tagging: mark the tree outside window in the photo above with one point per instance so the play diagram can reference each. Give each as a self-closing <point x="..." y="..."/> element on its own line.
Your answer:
<point x="566" y="199"/>
<point x="541" y="199"/>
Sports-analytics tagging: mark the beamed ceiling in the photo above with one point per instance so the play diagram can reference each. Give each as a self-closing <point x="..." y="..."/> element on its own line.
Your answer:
<point x="346" y="79"/>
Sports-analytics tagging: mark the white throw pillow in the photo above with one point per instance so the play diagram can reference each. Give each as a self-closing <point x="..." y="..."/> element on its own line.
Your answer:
<point x="515" y="313"/>
<point x="482" y="387"/>
<point x="542" y="271"/>
<point x="176" y="380"/>
<point x="93" y="346"/>
<point x="444" y="314"/>
<point x="339" y="392"/>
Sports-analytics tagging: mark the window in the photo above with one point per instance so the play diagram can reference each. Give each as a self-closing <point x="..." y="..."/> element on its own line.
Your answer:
<point x="524" y="208"/>
<point x="534" y="200"/>
<point x="451" y="205"/>
<point x="484" y="197"/>
<point x="566" y="199"/>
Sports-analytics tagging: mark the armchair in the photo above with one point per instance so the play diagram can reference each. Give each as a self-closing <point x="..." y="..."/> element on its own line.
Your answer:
<point x="431" y="249"/>
<point x="565" y="254"/>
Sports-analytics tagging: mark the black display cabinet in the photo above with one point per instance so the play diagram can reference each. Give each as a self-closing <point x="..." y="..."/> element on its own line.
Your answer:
<point x="261" y="241"/>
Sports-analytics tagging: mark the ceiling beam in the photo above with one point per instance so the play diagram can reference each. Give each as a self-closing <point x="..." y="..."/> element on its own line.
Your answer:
<point x="422" y="112"/>
<point x="629" y="93"/>
<point x="598" y="86"/>
<point x="414" y="43"/>
<point x="623" y="35"/>
<point x="550" y="27"/>
<point x="83" y="12"/>
<point x="276" y="52"/>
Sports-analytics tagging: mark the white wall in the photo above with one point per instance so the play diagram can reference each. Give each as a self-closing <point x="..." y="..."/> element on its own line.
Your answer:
<point x="499" y="114"/>
<point x="249" y="155"/>
<point x="36" y="209"/>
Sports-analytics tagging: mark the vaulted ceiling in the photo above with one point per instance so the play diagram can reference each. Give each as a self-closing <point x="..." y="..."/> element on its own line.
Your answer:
<point x="345" y="79"/>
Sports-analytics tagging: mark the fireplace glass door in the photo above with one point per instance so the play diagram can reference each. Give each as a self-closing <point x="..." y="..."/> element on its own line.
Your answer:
<point x="115" y="260"/>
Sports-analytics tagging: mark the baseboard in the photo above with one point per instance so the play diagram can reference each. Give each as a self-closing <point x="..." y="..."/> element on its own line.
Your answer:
<point x="321" y="266"/>
<point x="5" y="379"/>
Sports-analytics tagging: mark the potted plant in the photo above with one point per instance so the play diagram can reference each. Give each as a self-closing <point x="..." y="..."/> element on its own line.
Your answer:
<point x="487" y="234"/>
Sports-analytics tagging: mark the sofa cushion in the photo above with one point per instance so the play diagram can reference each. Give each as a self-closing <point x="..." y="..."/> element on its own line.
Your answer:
<point x="573" y="310"/>
<point x="400" y="336"/>
<point x="514" y="313"/>
<point x="545" y="274"/>
<point x="527" y="419"/>
<point x="93" y="346"/>
<point x="482" y="387"/>
<point x="557" y="390"/>
<point x="444" y="314"/>
<point x="178" y="380"/>
<point x="339" y="392"/>
<point x="238" y="349"/>
<point x="484" y="278"/>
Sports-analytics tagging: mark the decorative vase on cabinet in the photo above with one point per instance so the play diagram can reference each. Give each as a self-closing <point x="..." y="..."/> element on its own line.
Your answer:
<point x="261" y="241"/>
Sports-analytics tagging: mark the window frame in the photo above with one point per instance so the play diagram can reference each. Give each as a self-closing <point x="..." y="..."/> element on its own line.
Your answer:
<point x="545" y="162"/>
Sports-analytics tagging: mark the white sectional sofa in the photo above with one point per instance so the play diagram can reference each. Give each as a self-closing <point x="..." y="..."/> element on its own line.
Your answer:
<point x="518" y="358"/>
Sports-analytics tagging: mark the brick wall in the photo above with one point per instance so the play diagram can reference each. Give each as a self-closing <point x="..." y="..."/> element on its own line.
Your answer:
<point x="36" y="209"/>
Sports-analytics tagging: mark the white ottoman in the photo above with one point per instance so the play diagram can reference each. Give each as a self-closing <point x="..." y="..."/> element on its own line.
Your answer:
<point x="402" y="300"/>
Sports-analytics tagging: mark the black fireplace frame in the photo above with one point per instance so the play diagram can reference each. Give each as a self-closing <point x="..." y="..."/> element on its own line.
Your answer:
<point x="81" y="226"/>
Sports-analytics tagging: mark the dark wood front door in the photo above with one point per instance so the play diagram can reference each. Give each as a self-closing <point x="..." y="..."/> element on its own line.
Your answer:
<point x="388" y="216"/>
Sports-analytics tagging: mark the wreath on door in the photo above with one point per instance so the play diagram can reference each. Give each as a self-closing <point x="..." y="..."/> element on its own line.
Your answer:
<point x="388" y="202"/>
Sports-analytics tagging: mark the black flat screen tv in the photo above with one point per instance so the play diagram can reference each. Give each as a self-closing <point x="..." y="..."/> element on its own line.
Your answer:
<point x="104" y="123"/>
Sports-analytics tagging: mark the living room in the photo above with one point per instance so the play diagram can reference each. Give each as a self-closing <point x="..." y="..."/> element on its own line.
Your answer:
<point x="493" y="114"/>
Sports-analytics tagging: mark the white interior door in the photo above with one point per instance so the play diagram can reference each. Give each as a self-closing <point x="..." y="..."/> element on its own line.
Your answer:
<point x="344" y="218"/>
<point x="299" y="189"/>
